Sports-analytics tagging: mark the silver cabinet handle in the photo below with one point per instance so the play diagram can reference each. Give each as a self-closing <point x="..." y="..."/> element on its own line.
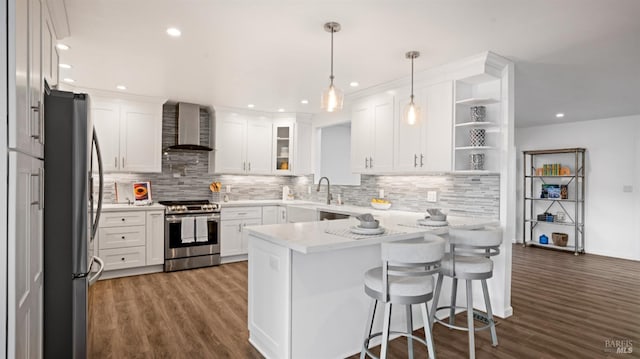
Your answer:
<point x="244" y="166"/>
<point x="249" y="167"/>
<point x="40" y="175"/>
<point x="283" y="215"/>
<point x="40" y="135"/>
<point x="122" y="162"/>
<point x="370" y="162"/>
<point x="366" y="162"/>
<point x="421" y="160"/>
<point x="239" y="227"/>
<point x="242" y="213"/>
<point x="115" y="162"/>
<point x="415" y="160"/>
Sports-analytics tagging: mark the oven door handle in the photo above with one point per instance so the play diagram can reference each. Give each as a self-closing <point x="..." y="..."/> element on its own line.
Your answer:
<point x="179" y="219"/>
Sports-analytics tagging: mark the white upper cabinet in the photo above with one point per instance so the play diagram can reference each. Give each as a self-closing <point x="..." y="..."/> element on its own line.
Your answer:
<point x="242" y="143"/>
<point x="50" y="59"/>
<point x="259" y="133"/>
<point x="302" y="163"/>
<point x="129" y="134"/>
<point x="372" y="134"/>
<point x="426" y="145"/>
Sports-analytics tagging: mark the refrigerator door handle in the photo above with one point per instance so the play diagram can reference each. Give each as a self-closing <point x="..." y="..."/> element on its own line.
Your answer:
<point x="94" y="278"/>
<point x="94" y="227"/>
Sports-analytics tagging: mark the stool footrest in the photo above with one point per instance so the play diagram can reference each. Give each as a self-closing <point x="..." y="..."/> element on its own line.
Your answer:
<point x="365" y="346"/>
<point x="476" y="315"/>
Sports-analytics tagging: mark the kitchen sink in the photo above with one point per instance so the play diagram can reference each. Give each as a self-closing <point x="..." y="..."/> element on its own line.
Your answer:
<point x="329" y="216"/>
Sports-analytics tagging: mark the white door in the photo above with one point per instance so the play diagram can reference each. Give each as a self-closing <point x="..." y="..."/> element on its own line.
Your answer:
<point x="244" y="235"/>
<point x="20" y="127"/>
<point x="106" y="121"/>
<point x="259" y="141"/>
<point x="270" y="215"/>
<point x="438" y="144"/>
<point x="155" y="237"/>
<point x="231" y="132"/>
<point x="141" y="137"/>
<point x="25" y="252"/>
<point x="35" y="77"/>
<point x="361" y="137"/>
<point x="230" y="238"/>
<point x="408" y="138"/>
<point x="383" y="115"/>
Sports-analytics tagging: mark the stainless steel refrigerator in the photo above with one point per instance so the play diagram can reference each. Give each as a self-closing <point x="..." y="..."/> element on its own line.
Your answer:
<point x="70" y="222"/>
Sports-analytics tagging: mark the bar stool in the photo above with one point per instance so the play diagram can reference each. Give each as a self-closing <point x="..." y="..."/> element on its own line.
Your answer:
<point x="468" y="259"/>
<point x="405" y="278"/>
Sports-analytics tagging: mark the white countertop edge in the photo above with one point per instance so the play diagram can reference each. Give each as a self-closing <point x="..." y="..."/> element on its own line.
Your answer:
<point x="117" y="207"/>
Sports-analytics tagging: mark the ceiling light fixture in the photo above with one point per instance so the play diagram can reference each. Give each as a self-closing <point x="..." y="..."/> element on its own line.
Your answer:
<point x="559" y="115"/>
<point x="62" y="47"/>
<point x="251" y="105"/>
<point x="64" y="66"/>
<point x="121" y="87"/>
<point x="332" y="98"/>
<point x="173" y="32"/>
<point x="304" y="102"/>
<point x="354" y="84"/>
<point x="68" y="80"/>
<point x="412" y="111"/>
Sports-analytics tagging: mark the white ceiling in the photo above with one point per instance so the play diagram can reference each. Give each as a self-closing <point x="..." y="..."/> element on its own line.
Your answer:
<point x="580" y="57"/>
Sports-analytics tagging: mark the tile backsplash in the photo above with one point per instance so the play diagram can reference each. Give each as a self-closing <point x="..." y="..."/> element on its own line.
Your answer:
<point x="184" y="176"/>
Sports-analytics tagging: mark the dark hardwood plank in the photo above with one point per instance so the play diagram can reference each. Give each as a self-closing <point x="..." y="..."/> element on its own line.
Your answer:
<point x="564" y="307"/>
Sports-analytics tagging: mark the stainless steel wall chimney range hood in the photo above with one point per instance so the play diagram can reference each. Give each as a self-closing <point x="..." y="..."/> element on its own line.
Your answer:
<point x="188" y="134"/>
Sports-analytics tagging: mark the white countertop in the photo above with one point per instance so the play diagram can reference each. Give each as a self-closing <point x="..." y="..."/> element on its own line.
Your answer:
<point x="309" y="237"/>
<point x="120" y="207"/>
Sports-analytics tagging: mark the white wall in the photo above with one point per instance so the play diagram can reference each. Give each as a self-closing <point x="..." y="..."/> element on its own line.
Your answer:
<point x="612" y="217"/>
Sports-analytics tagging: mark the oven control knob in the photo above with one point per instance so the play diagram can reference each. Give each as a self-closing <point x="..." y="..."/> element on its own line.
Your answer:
<point x="183" y="208"/>
<point x="172" y="208"/>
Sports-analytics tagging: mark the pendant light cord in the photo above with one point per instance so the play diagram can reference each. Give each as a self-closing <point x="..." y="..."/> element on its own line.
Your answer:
<point x="412" y="78"/>
<point x="331" y="77"/>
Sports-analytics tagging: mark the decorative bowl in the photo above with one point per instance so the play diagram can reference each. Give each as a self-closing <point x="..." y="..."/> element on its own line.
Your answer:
<point x="374" y="224"/>
<point x="381" y="205"/>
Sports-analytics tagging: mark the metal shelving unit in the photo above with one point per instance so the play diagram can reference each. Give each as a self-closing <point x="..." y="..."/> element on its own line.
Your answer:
<point x="573" y="208"/>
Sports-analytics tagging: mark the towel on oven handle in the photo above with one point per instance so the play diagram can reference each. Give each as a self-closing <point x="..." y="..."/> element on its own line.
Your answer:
<point x="187" y="228"/>
<point x="202" y="231"/>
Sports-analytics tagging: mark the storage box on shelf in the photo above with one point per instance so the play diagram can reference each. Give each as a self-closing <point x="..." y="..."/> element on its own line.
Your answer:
<point x="569" y="201"/>
<point x="478" y="118"/>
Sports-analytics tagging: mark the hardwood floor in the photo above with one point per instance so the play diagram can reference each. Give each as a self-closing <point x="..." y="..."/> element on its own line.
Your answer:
<point x="564" y="307"/>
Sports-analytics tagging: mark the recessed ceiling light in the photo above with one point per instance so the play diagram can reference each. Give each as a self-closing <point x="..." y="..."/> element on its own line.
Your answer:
<point x="281" y="110"/>
<point x="559" y="115"/>
<point x="64" y="66"/>
<point x="121" y="87"/>
<point x="68" y="80"/>
<point x="251" y="105"/>
<point x="62" y="47"/>
<point x="172" y="31"/>
<point x="354" y="84"/>
<point x="304" y="102"/>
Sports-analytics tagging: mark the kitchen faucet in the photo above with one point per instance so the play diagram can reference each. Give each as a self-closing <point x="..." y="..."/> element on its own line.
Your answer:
<point x="328" y="189"/>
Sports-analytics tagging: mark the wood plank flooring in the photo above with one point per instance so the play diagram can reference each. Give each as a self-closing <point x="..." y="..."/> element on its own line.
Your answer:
<point x="564" y="307"/>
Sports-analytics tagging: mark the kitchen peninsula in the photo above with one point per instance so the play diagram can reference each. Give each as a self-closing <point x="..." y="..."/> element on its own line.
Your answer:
<point x="306" y="296"/>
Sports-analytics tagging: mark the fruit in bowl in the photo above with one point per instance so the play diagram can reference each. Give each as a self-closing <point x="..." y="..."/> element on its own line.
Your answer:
<point x="379" y="203"/>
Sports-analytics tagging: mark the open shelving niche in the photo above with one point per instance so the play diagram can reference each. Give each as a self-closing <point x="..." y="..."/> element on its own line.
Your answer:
<point x="572" y="207"/>
<point x="478" y="91"/>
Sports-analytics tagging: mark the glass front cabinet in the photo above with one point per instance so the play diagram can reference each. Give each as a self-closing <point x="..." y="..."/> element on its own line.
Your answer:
<point x="283" y="147"/>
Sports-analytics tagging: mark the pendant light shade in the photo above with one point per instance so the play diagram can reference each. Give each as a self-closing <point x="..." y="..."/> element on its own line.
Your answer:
<point x="412" y="111"/>
<point x="332" y="98"/>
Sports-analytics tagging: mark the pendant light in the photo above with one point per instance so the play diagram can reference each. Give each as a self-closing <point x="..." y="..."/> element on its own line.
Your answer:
<point x="412" y="111"/>
<point x="332" y="98"/>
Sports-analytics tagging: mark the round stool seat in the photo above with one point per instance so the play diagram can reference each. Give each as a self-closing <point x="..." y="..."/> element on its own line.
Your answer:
<point x="398" y="286"/>
<point x="466" y="267"/>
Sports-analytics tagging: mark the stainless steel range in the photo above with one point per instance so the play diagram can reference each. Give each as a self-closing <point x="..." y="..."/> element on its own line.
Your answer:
<point x="191" y="234"/>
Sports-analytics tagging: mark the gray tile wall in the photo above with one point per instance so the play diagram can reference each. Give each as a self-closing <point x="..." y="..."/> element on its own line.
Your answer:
<point x="184" y="176"/>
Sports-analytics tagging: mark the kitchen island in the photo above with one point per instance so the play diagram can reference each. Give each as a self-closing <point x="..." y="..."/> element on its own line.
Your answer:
<point x="306" y="291"/>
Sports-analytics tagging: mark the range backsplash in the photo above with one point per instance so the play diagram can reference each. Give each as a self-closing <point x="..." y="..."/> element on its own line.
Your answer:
<point x="468" y="195"/>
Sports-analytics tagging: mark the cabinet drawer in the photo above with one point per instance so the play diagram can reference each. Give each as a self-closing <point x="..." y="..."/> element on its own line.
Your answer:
<point x="120" y="258"/>
<point x="241" y="213"/>
<point x="119" y="219"/>
<point x="119" y="237"/>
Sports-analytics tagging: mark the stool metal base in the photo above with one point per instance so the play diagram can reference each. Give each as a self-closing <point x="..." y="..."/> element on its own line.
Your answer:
<point x="428" y="341"/>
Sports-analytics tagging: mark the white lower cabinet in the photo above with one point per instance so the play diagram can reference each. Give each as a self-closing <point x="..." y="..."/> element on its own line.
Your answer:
<point x="131" y="239"/>
<point x="233" y="238"/>
<point x="270" y="215"/>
